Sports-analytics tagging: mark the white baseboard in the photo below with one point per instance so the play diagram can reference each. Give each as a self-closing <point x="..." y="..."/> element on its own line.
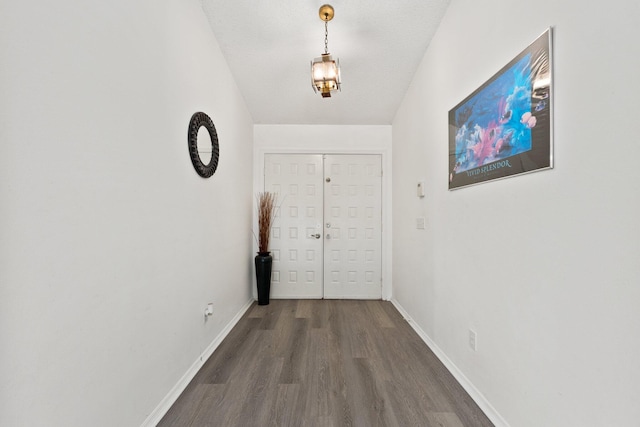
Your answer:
<point x="477" y="397"/>
<point x="154" y="418"/>
<point x="292" y="297"/>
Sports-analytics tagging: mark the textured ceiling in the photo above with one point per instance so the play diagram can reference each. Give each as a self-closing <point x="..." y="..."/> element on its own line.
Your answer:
<point x="269" y="45"/>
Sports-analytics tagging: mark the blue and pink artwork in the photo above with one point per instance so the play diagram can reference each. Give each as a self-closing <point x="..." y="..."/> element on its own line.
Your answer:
<point x="504" y="127"/>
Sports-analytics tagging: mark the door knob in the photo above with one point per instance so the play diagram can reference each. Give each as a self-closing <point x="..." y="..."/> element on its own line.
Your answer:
<point x="315" y="236"/>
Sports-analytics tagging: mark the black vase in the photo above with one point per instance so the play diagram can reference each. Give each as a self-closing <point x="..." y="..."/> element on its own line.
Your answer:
<point x="263" y="276"/>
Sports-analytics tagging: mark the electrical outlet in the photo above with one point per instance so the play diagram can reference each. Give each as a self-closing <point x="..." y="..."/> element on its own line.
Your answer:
<point x="420" y="223"/>
<point x="473" y="340"/>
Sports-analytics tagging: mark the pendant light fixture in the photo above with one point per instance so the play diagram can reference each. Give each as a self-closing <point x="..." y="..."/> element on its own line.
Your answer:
<point x="325" y="72"/>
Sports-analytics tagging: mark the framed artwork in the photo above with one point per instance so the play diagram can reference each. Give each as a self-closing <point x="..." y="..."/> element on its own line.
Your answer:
<point x="504" y="127"/>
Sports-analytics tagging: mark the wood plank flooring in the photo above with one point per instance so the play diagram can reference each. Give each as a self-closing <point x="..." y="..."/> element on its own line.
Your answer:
<point x="324" y="363"/>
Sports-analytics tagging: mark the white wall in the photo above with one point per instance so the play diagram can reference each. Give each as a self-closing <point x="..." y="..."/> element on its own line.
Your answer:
<point x="333" y="139"/>
<point x="544" y="267"/>
<point x="110" y="244"/>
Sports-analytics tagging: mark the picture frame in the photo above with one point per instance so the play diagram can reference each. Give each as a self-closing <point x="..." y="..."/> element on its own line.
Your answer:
<point x="504" y="128"/>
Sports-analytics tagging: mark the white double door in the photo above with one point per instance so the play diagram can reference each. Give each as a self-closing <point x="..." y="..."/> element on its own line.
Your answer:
<point x="327" y="236"/>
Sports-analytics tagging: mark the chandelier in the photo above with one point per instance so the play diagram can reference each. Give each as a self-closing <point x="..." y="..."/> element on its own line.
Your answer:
<point x="325" y="71"/>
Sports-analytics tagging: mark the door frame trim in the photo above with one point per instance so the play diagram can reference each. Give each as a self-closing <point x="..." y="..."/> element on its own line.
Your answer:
<point x="385" y="153"/>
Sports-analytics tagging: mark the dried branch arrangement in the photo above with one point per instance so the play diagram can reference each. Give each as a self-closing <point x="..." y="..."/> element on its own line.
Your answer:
<point x="266" y="214"/>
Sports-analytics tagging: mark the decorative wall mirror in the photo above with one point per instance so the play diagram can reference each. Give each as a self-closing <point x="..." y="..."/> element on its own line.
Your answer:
<point x="203" y="149"/>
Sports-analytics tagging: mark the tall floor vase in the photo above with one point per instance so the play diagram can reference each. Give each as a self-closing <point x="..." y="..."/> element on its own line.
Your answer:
<point x="263" y="276"/>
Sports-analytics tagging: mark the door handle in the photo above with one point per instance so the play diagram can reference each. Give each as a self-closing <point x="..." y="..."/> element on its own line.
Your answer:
<point x="315" y="236"/>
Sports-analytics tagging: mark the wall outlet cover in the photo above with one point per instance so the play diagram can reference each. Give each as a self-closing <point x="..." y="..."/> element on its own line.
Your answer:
<point x="473" y="340"/>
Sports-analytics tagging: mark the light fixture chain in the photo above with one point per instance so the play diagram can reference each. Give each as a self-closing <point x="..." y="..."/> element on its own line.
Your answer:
<point x="326" y="37"/>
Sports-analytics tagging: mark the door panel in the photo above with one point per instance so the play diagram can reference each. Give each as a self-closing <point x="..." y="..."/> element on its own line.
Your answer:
<point x="353" y="226"/>
<point x="297" y="253"/>
<point x="327" y="235"/>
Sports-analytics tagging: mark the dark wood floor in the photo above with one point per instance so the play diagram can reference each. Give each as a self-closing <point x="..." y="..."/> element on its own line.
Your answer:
<point x="324" y="363"/>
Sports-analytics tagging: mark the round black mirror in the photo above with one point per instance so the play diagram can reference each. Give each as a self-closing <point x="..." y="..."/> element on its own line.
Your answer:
<point x="204" y="151"/>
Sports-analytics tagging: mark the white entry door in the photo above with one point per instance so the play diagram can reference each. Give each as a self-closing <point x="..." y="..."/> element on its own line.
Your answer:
<point x="326" y="239"/>
<point x="353" y="226"/>
<point x="296" y="234"/>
